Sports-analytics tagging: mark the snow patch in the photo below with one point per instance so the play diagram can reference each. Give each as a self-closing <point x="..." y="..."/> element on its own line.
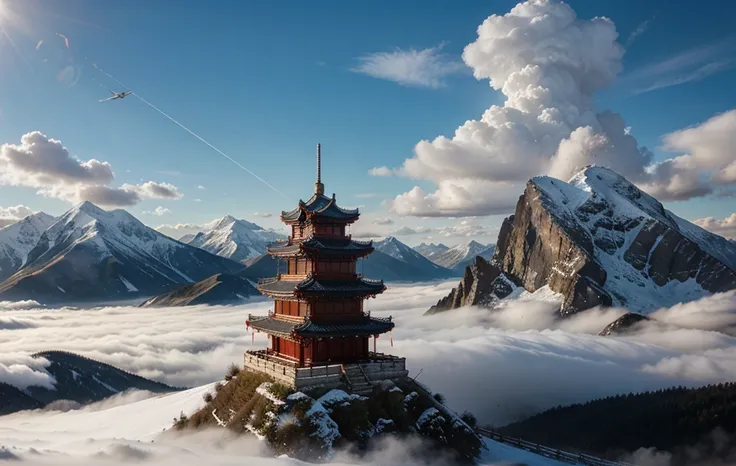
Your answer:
<point x="264" y="390"/>
<point x="127" y="284"/>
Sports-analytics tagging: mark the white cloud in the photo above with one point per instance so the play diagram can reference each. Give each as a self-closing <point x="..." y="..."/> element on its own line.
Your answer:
<point x="690" y="65"/>
<point x="11" y="214"/>
<point x="638" y="31"/>
<point x="407" y="231"/>
<point x="417" y="68"/>
<point x="201" y="187"/>
<point x="501" y="365"/>
<point x="725" y="227"/>
<point x="158" y="211"/>
<point x="383" y="221"/>
<point x="180" y="229"/>
<point x="45" y="164"/>
<point x="263" y="214"/>
<point x="697" y="74"/>
<point x="380" y="171"/>
<point x="548" y="64"/>
<point x="154" y="190"/>
<point x="468" y="229"/>
<point x="197" y="200"/>
<point x="708" y="164"/>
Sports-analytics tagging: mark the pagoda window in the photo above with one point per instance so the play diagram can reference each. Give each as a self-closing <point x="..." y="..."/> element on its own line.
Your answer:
<point x="330" y="230"/>
<point x="299" y="266"/>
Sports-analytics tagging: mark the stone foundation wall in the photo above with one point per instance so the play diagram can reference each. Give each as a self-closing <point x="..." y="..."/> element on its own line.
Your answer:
<point x="385" y="370"/>
<point x="281" y="372"/>
<point x="324" y="376"/>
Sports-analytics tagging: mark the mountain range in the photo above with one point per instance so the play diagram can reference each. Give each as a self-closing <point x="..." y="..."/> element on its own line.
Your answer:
<point x="92" y="254"/>
<point x="597" y="240"/>
<point x="430" y="250"/>
<point x="459" y="257"/>
<point x="18" y="239"/>
<point x="391" y="260"/>
<point x="233" y="238"/>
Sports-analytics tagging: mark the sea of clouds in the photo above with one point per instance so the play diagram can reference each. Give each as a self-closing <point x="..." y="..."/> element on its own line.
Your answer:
<point x="502" y="365"/>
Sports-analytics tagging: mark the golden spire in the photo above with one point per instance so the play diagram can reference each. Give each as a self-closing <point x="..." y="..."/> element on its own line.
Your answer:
<point x="319" y="188"/>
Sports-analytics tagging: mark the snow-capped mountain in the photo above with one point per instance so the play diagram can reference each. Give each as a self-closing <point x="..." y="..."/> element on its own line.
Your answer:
<point x="600" y="240"/>
<point x="235" y="239"/>
<point x="411" y="259"/>
<point x="17" y="240"/>
<point x="462" y="255"/>
<point x="90" y="253"/>
<point x="431" y="250"/>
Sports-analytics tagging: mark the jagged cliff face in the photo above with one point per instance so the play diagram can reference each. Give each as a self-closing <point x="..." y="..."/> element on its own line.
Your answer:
<point x="599" y="240"/>
<point x="483" y="284"/>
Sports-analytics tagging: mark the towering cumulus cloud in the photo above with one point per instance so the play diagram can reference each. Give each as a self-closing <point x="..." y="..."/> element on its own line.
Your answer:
<point x="548" y="64"/>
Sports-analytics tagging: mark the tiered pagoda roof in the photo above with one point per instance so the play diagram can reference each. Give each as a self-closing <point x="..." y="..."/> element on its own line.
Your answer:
<point x="324" y="247"/>
<point x="319" y="205"/>
<point x="367" y="325"/>
<point x="312" y="286"/>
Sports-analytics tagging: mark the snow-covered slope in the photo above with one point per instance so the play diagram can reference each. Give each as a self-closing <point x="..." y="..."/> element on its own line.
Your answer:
<point x="395" y="249"/>
<point x="462" y="255"/>
<point x="650" y="257"/>
<point x="17" y="240"/>
<point x="430" y="250"/>
<point x="131" y="430"/>
<point x="90" y="253"/>
<point x="235" y="239"/>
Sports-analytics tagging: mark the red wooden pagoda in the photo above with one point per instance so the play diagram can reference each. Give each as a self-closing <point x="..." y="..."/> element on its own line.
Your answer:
<point x="318" y="316"/>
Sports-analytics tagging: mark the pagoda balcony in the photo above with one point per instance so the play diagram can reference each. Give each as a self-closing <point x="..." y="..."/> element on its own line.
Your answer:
<point x="304" y="327"/>
<point x="313" y="285"/>
<point x="323" y="246"/>
<point x="376" y="367"/>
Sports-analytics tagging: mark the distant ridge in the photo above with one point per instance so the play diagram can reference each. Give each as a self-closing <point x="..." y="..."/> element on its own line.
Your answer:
<point x="78" y="380"/>
<point x="90" y="254"/>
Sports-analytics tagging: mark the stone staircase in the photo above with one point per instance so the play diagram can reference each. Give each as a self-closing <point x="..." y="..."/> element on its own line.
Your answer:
<point x="357" y="381"/>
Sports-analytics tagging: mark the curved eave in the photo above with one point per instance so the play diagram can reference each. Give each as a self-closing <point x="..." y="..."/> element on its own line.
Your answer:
<point x="363" y="328"/>
<point x="310" y="329"/>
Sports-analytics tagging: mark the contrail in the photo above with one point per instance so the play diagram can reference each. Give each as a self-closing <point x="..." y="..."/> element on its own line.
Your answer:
<point x="173" y="120"/>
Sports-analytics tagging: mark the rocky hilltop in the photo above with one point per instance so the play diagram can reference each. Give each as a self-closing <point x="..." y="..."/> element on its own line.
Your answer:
<point x="599" y="240"/>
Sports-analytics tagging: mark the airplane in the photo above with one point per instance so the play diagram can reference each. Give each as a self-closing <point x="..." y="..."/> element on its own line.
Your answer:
<point x="117" y="95"/>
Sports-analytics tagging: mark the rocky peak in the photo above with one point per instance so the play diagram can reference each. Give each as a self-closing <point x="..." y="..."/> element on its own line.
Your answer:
<point x="483" y="284"/>
<point x="624" y="324"/>
<point x="599" y="240"/>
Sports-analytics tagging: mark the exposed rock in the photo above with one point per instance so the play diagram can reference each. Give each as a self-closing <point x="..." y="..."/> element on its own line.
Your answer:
<point x="482" y="284"/>
<point x="623" y="324"/>
<point x="599" y="241"/>
<point x="534" y="248"/>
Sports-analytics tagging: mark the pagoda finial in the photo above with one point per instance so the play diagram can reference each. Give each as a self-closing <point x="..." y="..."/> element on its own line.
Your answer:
<point x="319" y="188"/>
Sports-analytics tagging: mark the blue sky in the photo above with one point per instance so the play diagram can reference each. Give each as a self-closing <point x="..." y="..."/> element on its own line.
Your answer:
<point x="265" y="82"/>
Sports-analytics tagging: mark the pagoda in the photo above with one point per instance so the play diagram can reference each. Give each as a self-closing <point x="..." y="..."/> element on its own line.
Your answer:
<point x="318" y="318"/>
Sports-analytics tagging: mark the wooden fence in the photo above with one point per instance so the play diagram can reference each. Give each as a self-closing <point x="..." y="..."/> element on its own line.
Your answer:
<point x="562" y="456"/>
